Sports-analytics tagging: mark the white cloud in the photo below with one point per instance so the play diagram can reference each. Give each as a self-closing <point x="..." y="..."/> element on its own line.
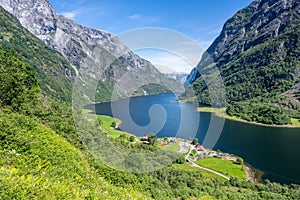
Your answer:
<point x="71" y="14"/>
<point x="83" y="11"/>
<point x="144" y="19"/>
<point x="134" y="17"/>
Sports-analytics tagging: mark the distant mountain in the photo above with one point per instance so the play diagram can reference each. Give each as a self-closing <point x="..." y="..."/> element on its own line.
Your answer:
<point x="257" y="54"/>
<point x="97" y="54"/>
<point x="180" y="77"/>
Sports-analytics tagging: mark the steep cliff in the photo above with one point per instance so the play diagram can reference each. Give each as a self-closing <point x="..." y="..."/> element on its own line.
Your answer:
<point x="257" y="54"/>
<point x="261" y="21"/>
<point x="54" y="72"/>
<point x="93" y="53"/>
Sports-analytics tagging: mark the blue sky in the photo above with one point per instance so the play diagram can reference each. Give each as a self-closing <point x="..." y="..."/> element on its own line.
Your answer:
<point x="201" y="20"/>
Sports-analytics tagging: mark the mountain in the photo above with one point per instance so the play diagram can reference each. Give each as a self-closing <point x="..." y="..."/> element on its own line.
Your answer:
<point x="94" y="54"/>
<point x="43" y="157"/>
<point x="54" y="71"/>
<point x="180" y="77"/>
<point x="40" y="154"/>
<point x="257" y="55"/>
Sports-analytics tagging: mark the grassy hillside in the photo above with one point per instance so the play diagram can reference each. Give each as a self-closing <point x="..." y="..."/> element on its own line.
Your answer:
<point x="43" y="157"/>
<point x="37" y="163"/>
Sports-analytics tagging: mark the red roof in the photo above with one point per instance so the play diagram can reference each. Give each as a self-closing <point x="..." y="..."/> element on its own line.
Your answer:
<point x="200" y="147"/>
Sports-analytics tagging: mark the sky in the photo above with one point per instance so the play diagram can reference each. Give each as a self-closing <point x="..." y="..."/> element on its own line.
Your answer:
<point x="199" y="20"/>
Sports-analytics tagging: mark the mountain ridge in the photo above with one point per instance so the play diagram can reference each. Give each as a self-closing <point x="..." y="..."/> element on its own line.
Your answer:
<point x="97" y="54"/>
<point x="245" y="37"/>
<point x="257" y="55"/>
<point x="42" y="155"/>
<point x="53" y="70"/>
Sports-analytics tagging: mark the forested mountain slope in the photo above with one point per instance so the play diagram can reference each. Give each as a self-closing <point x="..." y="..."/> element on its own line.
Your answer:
<point x="257" y="54"/>
<point x="54" y="72"/>
<point x="40" y="153"/>
<point x="43" y="157"/>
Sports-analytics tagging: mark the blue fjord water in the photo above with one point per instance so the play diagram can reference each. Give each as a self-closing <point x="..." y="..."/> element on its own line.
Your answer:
<point x="273" y="150"/>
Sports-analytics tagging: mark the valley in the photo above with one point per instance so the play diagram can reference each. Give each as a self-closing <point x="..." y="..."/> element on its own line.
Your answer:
<point x="83" y="116"/>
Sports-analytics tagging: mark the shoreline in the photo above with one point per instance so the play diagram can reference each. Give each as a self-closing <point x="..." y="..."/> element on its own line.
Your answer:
<point x="134" y="96"/>
<point x="253" y="174"/>
<point x="220" y="112"/>
<point x="250" y="171"/>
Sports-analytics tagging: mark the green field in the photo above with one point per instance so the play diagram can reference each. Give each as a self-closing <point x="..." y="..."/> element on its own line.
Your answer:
<point x="172" y="147"/>
<point x="38" y="163"/>
<point x="226" y="167"/>
<point x="188" y="167"/>
<point x="106" y="122"/>
<point x="221" y="112"/>
<point x="295" y="122"/>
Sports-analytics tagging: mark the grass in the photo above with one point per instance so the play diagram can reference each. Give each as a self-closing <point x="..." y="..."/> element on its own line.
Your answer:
<point x="173" y="146"/>
<point x="188" y="167"/>
<point x="106" y="122"/>
<point x="38" y="163"/>
<point x="6" y="35"/>
<point x="295" y="122"/>
<point x="221" y="112"/>
<point x="226" y="167"/>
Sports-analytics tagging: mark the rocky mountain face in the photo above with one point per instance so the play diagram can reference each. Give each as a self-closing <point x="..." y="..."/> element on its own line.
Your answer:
<point x="94" y="54"/>
<point x="261" y="21"/>
<point x="54" y="72"/>
<point x="257" y="55"/>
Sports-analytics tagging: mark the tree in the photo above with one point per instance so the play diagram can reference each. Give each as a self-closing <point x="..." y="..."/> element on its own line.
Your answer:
<point x="152" y="138"/>
<point x="240" y="160"/>
<point x="181" y="159"/>
<point x="195" y="141"/>
<point x="18" y="84"/>
<point x="193" y="152"/>
<point x="113" y="124"/>
<point x="99" y="121"/>
<point x="132" y="139"/>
